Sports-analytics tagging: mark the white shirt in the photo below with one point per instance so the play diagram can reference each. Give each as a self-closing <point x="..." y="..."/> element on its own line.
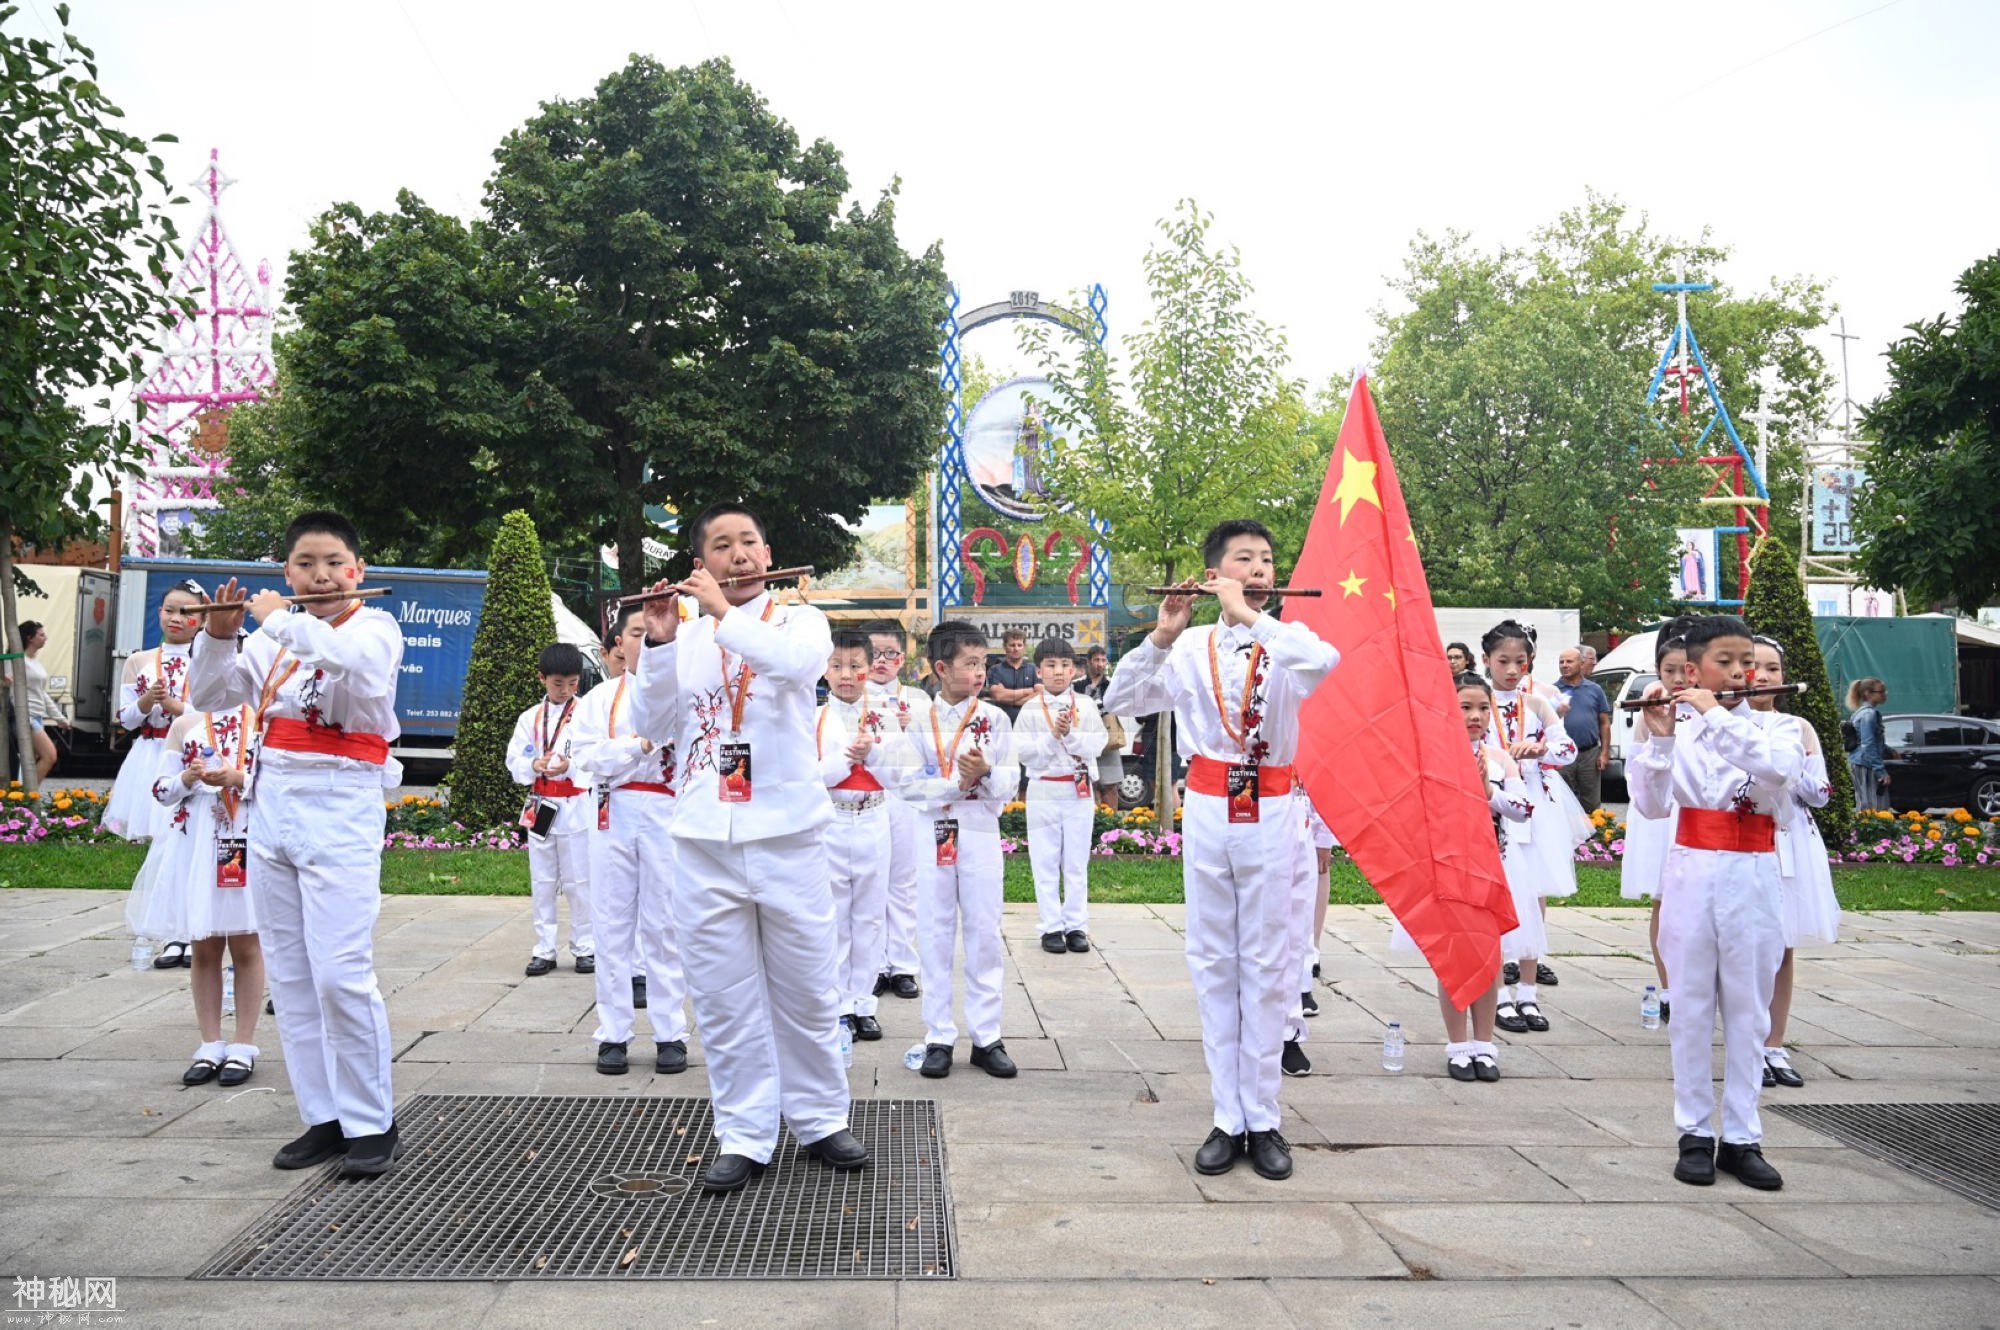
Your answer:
<point x="545" y="720"/>
<point x="141" y="671"/>
<point x="1723" y="759"/>
<point x="1523" y="715"/>
<point x="951" y="731"/>
<point x="1042" y="753"/>
<point x="346" y="679"/>
<point x="1150" y="680"/>
<point x="891" y="759"/>
<point x="680" y="693"/>
<point x="606" y="749"/>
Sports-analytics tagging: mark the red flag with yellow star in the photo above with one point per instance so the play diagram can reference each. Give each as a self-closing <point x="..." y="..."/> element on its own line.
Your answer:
<point x="1383" y="750"/>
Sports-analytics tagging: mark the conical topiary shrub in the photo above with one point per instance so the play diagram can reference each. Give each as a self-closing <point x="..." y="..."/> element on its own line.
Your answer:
<point x="1776" y="607"/>
<point x="515" y="623"/>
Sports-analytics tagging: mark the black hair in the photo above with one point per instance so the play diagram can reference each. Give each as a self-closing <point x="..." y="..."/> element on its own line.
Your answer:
<point x="698" y="529"/>
<point x="187" y="586"/>
<point x="951" y="637"/>
<point x="1672" y="637"/>
<point x="619" y="618"/>
<point x="1507" y="630"/>
<point x="885" y="628"/>
<point x="1763" y="640"/>
<point x="1469" y="679"/>
<point x="558" y="659"/>
<point x="29" y="627"/>
<point x="853" y="639"/>
<point x="1712" y="627"/>
<point x="1052" y="648"/>
<point x="1216" y="542"/>
<point x="1098" y="650"/>
<point x="322" y="522"/>
<point x="1450" y="647"/>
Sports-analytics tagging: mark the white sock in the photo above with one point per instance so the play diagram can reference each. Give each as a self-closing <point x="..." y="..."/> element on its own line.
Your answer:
<point x="1776" y="1055"/>
<point x="1665" y="996"/>
<point x="1486" y="1048"/>
<point x="1524" y="993"/>
<point x="1453" y="1052"/>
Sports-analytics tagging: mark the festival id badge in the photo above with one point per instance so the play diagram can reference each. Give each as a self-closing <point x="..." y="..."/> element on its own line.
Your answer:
<point x="530" y="810"/>
<point x="604" y="808"/>
<point x="1241" y="788"/>
<point x="1082" y="781"/>
<point x="733" y="774"/>
<point x="946" y="831"/>
<point x="231" y="861"/>
<point x="538" y="815"/>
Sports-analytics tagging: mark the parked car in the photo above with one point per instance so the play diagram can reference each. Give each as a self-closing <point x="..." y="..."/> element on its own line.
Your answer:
<point x="1136" y="789"/>
<point x="1620" y="685"/>
<point x="1943" y="762"/>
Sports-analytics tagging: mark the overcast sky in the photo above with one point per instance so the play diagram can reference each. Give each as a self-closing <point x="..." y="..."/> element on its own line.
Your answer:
<point x="1852" y="140"/>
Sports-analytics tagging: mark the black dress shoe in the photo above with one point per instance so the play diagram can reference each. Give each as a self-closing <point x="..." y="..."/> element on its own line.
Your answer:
<point x="1508" y="1018"/>
<point x="203" y="1070"/>
<point x="1308" y="1004"/>
<point x="1544" y="976"/>
<point x="993" y="1060"/>
<point x="839" y="1151"/>
<point x="586" y="964"/>
<point x="540" y="965"/>
<point x="638" y="992"/>
<point x="372" y="1156"/>
<point x="867" y="1029"/>
<point x="322" y="1141"/>
<point x="172" y="956"/>
<point x="1460" y="1068"/>
<point x="671" y="1058"/>
<point x="904" y="985"/>
<point x="1052" y="943"/>
<point x="1666" y="1011"/>
<point x="882" y="983"/>
<point x="1510" y="974"/>
<point x="1218" y="1153"/>
<point x="731" y="1173"/>
<point x="937" y="1062"/>
<point x="611" y="1058"/>
<point x="1697" y="1161"/>
<point x="1770" y="1077"/>
<point x="1485" y="1066"/>
<point x="269" y="1010"/>
<point x="1784" y="1073"/>
<point x="1077" y="940"/>
<point x="1293" y="1061"/>
<point x="1748" y="1164"/>
<point x="1531" y="1016"/>
<point x="1270" y="1154"/>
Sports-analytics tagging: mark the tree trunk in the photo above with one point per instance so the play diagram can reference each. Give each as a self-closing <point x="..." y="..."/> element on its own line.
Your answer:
<point x="631" y="525"/>
<point x="23" y="740"/>
<point x="1163" y="773"/>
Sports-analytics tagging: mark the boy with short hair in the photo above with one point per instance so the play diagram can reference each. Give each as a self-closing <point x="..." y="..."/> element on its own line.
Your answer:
<point x="321" y="680"/>
<point x="1235" y="690"/>
<point x="734" y="688"/>
<point x="968" y="774"/>
<point x="861" y="752"/>
<point x="909" y="834"/>
<point x="1057" y="738"/>
<point x="630" y="812"/>
<point x="556" y="813"/>
<point x="1724" y="778"/>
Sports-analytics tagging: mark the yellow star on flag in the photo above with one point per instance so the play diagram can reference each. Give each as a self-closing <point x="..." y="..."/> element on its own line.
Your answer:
<point x="1352" y="586"/>
<point x="1357" y="485"/>
<point x="1391" y="594"/>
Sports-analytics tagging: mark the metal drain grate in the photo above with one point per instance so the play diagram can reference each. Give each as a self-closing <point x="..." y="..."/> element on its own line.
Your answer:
<point x="582" y="1187"/>
<point x="1957" y="1146"/>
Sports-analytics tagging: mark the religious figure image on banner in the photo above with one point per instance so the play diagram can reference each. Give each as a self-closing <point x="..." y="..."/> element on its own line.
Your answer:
<point x="1694" y="564"/>
<point x="1007" y="434"/>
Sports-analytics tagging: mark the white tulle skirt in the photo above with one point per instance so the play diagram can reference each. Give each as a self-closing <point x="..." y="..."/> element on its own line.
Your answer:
<point x="1810" y="910"/>
<point x="175" y="896"/>
<point x="1645" y="861"/>
<point x="131" y="811"/>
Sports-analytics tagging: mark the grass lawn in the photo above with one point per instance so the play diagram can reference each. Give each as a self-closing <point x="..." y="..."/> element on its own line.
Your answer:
<point x="1127" y="879"/>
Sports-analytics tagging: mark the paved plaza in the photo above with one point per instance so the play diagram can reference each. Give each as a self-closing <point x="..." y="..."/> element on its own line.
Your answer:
<point x="1544" y="1200"/>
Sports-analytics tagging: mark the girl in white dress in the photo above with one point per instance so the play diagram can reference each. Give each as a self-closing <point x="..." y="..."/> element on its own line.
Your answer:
<point x="152" y="691"/>
<point x="1540" y="857"/>
<point x="1477" y="1058"/>
<point x="1811" y="912"/>
<point x="1647" y="838"/>
<point x="195" y="881"/>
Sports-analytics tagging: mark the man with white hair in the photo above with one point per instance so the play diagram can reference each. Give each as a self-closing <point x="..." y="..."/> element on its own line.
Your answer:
<point x="1587" y="717"/>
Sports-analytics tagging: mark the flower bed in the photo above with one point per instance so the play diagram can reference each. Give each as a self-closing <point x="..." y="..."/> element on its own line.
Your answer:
<point x="51" y="815"/>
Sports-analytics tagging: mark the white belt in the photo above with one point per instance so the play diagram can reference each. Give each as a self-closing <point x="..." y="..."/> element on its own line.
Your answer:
<point x="874" y="799"/>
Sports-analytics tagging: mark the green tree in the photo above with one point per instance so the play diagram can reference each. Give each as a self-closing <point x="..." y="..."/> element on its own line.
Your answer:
<point x="84" y="247"/>
<point x="515" y="623"/>
<point x="1776" y="606"/>
<point x="1928" y="521"/>
<point x="1511" y="391"/>
<point x="720" y="329"/>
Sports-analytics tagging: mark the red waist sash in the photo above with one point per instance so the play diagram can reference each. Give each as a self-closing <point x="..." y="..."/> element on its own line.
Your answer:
<point x="1208" y="776"/>
<point x="1723" y="829"/>
<point x="861" y="780"/>
<point x="296" y="736"/>
<point x="550" y="787"/>
<point x="646" y="786"/>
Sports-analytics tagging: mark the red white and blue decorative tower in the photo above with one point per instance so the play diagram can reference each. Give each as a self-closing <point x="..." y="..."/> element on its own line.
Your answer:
<point x="216" y="356"/>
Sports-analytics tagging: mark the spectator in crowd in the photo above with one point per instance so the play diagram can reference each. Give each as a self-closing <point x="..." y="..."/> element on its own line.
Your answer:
<point x="1011" y="680"/>
<point x="1459" y="656"/>
<point x="1111" y="764"/>
<point x="1589" y="654"/>
<point x="42" y="709"/>
<point x="1587" y="717"/>
<point x="1869" y="759"/>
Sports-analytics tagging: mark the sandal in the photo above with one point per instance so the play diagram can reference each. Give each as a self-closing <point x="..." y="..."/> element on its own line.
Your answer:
<point x="1531" y="1016"/>
<point x="237" y="1066"/>
<point x="1508" y="1018"/>
<point x="207" y="1062"/>
<point x="172" y="955"/>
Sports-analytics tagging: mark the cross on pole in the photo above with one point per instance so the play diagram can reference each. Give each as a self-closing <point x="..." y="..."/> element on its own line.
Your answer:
<point x="1846" y="384"/>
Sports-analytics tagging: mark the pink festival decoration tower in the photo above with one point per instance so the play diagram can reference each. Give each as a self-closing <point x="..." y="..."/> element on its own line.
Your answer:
<point x="216" y="356"/>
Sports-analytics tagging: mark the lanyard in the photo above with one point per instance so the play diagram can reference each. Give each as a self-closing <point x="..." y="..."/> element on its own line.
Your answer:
<point x="542" y="724"/>
<point x="230" y="799"/>
<point x="1062" y="740"/>
<point x="617" y="696"/>
<point x="947" y="759"/>
<point x="739" y="692"/>
<point x="1240" y="732"/>
<point x="273" y="681"/>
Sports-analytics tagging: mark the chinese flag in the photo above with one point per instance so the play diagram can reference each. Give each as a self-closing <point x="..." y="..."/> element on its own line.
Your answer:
<point x="1382" y="747"/>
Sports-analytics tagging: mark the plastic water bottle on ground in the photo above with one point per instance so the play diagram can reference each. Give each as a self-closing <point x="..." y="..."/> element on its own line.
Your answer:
<point x="846" y="1044"/>
<point x="142" y="954"/>
<point x="1649" y="1009"/>
<point x="1392" y="1047"/>
<point x="914" y="1057"/>
<point x="229" y="990"/>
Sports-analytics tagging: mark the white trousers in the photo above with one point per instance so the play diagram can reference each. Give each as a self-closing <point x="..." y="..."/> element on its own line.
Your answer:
<point x="963" y="898"/>
<point x="756" y="926"/>
<point x="1060" y="832"/>
<point x="858" y="850"/>
<point x="1303" y="950"/>
<point x="632" y="878"/>
<point x="316" y="880"/>
<point x="560" y="865"/>
<point x="909" y="848"/>
<point x="1240" y="950"/>
<point x="1722" y="939"/>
